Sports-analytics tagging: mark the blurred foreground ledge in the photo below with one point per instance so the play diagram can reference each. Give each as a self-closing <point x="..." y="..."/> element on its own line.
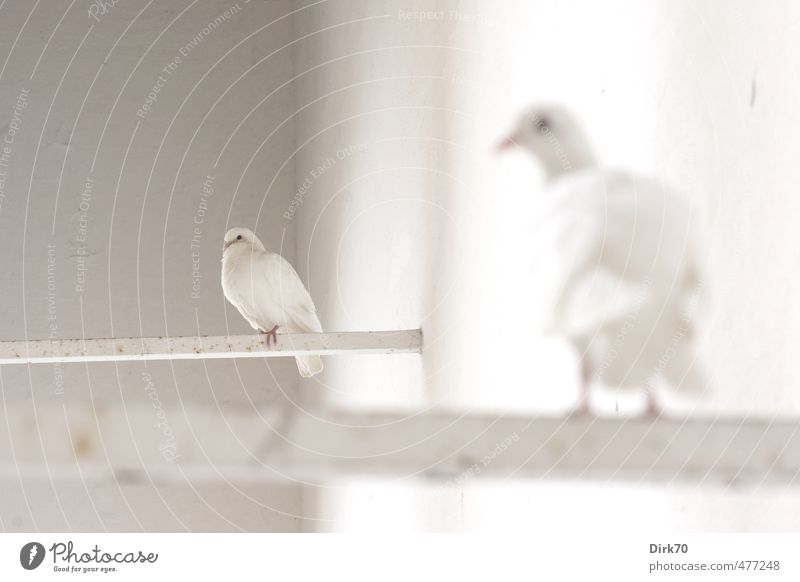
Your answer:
<point x="323" y="445"/>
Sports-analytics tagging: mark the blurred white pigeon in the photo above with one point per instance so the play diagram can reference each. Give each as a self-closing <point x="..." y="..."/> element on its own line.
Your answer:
<point x="619" y="258"/>
<point x="268" y="293"/>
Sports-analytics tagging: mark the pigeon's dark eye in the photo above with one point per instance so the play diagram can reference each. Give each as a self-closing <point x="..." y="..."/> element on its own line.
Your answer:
<point x="541" y="123"/>
<point x="239" y="237"/>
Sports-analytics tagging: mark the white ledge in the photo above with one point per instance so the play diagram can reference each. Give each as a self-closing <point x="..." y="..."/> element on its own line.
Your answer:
<point x="456" y="449"/>
<point x="205" y="347"/>
<point x="322" y="445"/>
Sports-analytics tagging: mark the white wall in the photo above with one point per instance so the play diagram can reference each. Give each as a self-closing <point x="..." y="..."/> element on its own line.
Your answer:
<point x="701" y="96"/>
<point x="664" y="89"/>
<point x="726" y="124"/>
<point x="368" y="224"/>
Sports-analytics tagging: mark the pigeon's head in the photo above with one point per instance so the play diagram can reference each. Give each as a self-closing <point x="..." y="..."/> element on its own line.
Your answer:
<point x="554" y="136"/>
<point x="241" y="236"/>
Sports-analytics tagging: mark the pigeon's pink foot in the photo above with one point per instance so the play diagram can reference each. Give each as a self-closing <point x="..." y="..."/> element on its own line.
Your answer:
<point x="583" y="410"/>
<point x="270" y="336"/>
<point x="653" y="409"/>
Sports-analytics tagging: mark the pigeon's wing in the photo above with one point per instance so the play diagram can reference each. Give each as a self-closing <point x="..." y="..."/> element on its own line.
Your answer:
<point x="594" y="234"/>
<point x="299" y="312"/>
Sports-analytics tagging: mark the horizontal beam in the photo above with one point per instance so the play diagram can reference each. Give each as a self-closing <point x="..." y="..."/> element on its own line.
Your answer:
<point x="206" y="347"/>
<point x="447" y="447"/>
<point x="322" y="445"/>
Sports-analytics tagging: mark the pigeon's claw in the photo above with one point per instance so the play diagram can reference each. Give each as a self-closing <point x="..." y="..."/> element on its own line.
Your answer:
<point x="582" y="410"/>
<point x="270" y="336"/>
<point x="653" y="408"/>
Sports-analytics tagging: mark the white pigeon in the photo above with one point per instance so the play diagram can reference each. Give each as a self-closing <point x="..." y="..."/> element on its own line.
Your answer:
<point x="268" y="293"/>
<point x="620" y="261"/>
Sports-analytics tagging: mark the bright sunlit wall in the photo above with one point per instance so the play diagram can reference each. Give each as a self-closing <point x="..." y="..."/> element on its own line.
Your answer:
<point x="423" y="225"/>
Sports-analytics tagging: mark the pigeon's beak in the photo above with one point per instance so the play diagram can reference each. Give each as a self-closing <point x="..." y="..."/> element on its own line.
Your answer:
<point x="506" y="144"/>
<point x="226" y="244"/>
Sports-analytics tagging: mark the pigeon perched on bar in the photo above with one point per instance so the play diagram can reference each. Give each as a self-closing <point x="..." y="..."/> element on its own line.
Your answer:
<point x="268" y="293"/>
<point x="618" y="255"/>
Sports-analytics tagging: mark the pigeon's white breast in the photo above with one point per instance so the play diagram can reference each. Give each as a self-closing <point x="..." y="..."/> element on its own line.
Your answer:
<point x="250" y="284"/>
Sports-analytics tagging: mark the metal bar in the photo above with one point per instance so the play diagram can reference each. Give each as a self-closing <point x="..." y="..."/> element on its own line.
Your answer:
<point x="205" y="347"/>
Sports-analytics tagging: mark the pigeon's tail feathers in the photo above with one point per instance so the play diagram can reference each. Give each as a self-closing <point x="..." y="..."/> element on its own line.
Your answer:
<point x="306" y="321"/>
<point x="683" y="366"/>
<point x="309" y="365"/>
